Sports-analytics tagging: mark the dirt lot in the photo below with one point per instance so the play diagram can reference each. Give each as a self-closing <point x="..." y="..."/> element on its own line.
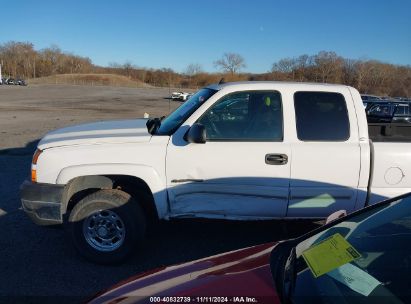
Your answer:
<point x="27" y="113"/>
<point x="38" y="264"/>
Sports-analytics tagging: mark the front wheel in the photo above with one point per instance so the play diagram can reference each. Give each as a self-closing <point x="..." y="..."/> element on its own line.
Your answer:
<point x="106" y="226"/>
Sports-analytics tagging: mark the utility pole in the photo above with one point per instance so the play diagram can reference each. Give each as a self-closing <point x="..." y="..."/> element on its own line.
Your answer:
<point x="1" y="78"/>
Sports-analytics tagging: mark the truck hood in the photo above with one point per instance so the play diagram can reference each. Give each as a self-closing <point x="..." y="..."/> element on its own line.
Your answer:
<point x="115" y="131"/>
<point x="242" y="273"/>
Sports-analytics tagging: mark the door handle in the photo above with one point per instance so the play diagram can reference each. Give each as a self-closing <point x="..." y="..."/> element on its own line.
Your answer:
<point x="276" y="159"/>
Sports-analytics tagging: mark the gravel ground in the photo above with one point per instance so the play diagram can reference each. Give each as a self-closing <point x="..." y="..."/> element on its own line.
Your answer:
<point x="39" y="264"/>
<point x="27" y="113"/>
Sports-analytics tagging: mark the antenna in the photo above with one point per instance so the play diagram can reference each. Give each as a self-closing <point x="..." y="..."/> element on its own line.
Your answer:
<point x="221" y="81"/>
<point x="169" y="92"/>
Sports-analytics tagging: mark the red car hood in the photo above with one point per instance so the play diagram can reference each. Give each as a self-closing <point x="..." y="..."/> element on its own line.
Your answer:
<point x="241" y="273"/>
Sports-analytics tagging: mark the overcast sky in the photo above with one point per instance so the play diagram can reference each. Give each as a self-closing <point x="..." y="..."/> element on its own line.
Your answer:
<point x="175" y="33"/>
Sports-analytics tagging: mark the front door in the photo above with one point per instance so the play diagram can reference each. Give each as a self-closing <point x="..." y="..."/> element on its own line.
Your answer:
<point x="243" y="169"/>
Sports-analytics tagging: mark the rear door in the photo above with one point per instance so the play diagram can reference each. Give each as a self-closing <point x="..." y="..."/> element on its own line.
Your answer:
<point x="326" y="154"/>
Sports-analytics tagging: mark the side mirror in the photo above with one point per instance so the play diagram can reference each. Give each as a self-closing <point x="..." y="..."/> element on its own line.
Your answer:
<point x="336" y="215"/>
<point x="152" y="124"/>
<point x="196" y="134"/>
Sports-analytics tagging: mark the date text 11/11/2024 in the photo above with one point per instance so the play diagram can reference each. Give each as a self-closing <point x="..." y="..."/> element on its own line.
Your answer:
<point x="204" y="299"/>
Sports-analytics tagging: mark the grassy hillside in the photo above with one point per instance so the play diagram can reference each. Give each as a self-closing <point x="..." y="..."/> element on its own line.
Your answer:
<point x="90" y="79"/>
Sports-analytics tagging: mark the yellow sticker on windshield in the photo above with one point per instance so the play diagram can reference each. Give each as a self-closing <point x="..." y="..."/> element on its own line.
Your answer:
<point x="329" y="254"/>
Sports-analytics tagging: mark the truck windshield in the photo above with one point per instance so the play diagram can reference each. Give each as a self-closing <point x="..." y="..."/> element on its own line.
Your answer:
<point x="366" y="259"/>
<point x="171" y="123"/>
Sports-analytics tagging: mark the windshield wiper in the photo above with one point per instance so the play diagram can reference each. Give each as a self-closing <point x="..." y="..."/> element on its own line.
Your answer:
<point x="282" y="262"/>
<point x="290" y="276"/>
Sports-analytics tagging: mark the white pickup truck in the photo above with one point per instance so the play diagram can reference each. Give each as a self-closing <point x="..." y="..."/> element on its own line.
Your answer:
<point x="241" y="151"/>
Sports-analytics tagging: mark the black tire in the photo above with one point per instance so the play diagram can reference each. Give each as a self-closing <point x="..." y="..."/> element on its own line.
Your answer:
<point x="92" y="211"/>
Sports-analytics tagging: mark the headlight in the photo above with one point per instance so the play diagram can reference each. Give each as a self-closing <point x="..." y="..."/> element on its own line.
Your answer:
<point x="34" y="165"/>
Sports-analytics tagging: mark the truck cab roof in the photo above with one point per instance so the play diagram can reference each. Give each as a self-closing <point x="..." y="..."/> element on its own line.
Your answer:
<point x="269" y="84"/>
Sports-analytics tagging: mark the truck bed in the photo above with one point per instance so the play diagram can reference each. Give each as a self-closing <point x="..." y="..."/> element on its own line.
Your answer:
<point x="391" y="154"/>
<point x="389" y="132"/>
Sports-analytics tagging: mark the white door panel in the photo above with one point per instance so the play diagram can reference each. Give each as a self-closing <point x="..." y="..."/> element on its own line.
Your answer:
<point x="222" y="199"/>
<point x="331" y="163"/>
<point x="320" y="201"/>
<point x="324" y="178"/>
<point x="326" y="153"/>
<point x="228" y="179"/>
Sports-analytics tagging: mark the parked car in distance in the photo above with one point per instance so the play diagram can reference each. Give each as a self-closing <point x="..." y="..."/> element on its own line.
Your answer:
<point x="402" y="99"/>
<point x="20" y="82"/>
<point x="183" y="96"/>
<point x="360" y="258"/>
<point x="366" y="97"/>
<point x="10" y="81"/>
<point x="388" y="111"/>
<point x="175" y="95"/>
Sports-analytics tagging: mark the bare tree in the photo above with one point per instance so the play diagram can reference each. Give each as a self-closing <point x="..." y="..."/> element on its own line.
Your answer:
<point x="11" y="57"/>
<point x="193" y="69"/>
<point x="329" y="66"/>
<point x="230" y="63"/>
<point x="287" y="67"/>
<point x="368" y="76"/>
<point x="296" y="69"/>
<point x="349" y="72"/>
<point x="17" y="57"/>
<point x="304" y="62"/>
<point x="127" y="66"/>
<point x="20" y="59"/>
<point x="51" y="60"/>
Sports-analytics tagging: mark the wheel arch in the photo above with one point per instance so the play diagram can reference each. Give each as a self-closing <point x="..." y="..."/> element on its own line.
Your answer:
<point x="142" y="181"/>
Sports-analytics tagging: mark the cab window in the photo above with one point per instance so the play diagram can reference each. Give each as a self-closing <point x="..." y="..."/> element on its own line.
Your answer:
<point x="321" y="116"/>
<point x="245" y="116"/>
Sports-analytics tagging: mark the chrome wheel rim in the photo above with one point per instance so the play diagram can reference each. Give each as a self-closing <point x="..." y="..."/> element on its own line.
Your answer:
<point x="104" y="230"/>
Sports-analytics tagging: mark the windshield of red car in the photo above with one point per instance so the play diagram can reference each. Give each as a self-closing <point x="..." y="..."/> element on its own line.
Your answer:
<point x="377" y="246"/>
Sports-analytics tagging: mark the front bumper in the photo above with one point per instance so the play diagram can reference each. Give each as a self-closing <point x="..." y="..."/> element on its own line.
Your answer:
<point x="42" y="202"/>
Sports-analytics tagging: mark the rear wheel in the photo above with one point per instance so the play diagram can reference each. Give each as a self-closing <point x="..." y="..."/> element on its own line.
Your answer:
<point x="106" y="226"/>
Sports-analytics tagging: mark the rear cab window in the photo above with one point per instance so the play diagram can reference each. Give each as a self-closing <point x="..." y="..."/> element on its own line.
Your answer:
<point x="321" y="116"/>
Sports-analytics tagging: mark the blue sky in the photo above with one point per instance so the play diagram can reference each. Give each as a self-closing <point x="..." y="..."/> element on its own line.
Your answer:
<point x="175" y="33"/>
